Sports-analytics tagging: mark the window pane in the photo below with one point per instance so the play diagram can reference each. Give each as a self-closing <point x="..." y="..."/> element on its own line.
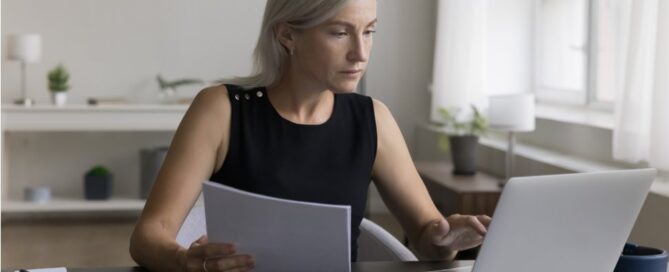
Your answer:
<point x="562" y="45"/>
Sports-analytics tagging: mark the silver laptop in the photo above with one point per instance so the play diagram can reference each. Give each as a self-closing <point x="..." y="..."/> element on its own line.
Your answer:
<point x="573" y="222"/>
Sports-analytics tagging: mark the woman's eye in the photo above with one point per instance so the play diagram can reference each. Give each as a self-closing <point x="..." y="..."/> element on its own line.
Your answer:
<point x="340" y="34"/>
<point x="370" y="32"/>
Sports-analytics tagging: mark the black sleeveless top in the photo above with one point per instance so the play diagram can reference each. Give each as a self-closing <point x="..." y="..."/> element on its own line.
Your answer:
<point x="329" y="163"/>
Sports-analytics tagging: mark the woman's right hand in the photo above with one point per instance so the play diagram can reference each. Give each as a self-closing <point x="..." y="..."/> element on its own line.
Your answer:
<point x="203" y="256"/>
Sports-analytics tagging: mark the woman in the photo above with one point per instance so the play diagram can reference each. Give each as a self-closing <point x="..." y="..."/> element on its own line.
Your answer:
<point x="295" y="130"/>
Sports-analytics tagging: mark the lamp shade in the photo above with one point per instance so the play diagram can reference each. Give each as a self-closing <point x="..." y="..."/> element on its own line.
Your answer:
<point x="512" y="112"/>
<point x="24" y="47"/>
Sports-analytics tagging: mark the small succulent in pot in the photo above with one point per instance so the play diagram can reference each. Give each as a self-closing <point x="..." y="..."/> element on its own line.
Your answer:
<point x="461" y="138"/>
<point x="98" y="183"/>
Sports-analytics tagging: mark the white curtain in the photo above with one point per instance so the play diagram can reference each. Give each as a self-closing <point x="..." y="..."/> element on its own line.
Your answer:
<point x="460" y="59"/>
<point x="642" y="107"/>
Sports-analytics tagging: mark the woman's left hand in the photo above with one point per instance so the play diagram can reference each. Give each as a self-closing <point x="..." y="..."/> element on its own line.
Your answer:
<point x="456" y="232"/>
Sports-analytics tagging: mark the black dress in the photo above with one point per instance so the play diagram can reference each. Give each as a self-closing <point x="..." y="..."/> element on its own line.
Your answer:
<point x="330" y="163"/>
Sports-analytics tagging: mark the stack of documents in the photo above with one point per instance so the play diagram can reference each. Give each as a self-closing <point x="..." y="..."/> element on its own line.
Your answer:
<point x="283" y="235"/>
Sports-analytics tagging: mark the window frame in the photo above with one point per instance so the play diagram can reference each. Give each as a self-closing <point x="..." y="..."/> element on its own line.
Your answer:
<point x="554" y="96"/>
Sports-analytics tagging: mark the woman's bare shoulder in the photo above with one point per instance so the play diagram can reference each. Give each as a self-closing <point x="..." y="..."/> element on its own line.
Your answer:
<point x="212" y="97"/>
<point x="381" y="113"/>
<point x="208" y="115"/>
<point x="211" y="103"/>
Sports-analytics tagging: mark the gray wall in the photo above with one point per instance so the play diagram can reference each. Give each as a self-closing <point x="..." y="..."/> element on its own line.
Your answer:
<point x="116" y="47"/>
<point x="401" y="66"/>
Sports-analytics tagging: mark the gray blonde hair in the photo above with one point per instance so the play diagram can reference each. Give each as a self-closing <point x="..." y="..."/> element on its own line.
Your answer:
<point x="270" y="55"/>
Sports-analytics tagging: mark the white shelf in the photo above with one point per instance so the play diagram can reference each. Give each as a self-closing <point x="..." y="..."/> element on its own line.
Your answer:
<point x="73" y="205"/>
<point x="131" y="117"/>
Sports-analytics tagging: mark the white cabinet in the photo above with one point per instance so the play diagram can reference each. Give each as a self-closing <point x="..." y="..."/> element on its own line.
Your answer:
<point x="48" y="145"/>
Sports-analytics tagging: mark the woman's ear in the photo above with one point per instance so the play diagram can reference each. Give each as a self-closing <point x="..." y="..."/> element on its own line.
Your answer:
<point x="286" y="36"/>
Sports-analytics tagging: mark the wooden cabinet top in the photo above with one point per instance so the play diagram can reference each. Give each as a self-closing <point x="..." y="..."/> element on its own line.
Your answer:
<point x="441" y="173"/>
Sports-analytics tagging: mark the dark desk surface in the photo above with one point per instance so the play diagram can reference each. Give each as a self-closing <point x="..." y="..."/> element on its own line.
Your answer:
<point x="355" y="267"/>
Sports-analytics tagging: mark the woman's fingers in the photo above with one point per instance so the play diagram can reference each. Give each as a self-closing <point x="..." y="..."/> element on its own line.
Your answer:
<point x="205" y="256"/>
<point x="484" y="219"/>
<point x="199" y="241"/>
<point x="439" y="230"/>
<point x="476" y="225"/>
<point x="239" y="262"/>
<point x="212" y="250"/>
<point x="466" y="231"/>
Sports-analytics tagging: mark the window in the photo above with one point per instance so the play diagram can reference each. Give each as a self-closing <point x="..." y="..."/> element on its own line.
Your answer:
<point x="573" y="52"/>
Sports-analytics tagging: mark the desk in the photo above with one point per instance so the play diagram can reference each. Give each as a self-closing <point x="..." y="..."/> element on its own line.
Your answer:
<point x="355" y="267"/>
<point x="477" y="194"/>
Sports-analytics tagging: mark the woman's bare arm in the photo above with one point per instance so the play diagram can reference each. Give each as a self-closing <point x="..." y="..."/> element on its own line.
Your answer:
<point x="405" y="194"/>
<point x="198" y="148"/>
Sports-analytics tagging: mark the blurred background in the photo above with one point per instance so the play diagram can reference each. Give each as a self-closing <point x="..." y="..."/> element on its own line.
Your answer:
<point x="92" y="92"/>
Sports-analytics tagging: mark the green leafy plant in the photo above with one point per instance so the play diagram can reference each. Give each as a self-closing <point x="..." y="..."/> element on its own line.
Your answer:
<point x="98" y="170"/>
<point x="476" y="125"/>
<point x="58" y="79"/>
<point x="174" y="84"/>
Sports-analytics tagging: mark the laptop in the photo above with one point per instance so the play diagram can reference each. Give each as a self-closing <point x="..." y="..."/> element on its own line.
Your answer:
<point x="573" y="222"/>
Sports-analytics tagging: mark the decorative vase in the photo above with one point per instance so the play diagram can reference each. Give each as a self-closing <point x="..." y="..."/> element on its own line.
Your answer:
<point x="151" y="161"/>
<point x="37" y="194"/>
<point x="98" y="187"/>
<point x="464" y="150"/>
<point x="59" y="98"/>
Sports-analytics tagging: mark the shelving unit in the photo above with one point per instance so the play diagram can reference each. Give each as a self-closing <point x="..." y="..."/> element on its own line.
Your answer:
<point x="73" y="205"/>
<point x="77" y="119"/>
<point x="92" y="118"/>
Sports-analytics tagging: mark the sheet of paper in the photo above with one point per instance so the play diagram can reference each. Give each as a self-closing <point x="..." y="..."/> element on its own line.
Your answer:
<point x="283" y="235"/>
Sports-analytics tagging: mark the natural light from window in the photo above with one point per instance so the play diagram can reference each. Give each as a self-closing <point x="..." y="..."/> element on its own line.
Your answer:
<point x="575" y="52"/>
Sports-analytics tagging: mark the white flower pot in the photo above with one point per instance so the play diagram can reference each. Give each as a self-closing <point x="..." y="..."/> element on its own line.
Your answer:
<point x="59" y="98"/>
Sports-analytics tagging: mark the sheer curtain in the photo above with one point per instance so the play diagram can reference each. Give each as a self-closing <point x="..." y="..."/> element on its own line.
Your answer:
<point x="460" y="58"/>
<point x="642" y="107"/>
<point x="482" y="48"/>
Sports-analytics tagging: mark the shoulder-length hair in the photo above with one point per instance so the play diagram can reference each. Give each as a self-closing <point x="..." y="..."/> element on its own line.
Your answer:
<point x="270" y="55"/>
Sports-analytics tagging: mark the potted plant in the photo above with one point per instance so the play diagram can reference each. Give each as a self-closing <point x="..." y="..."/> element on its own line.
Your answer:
<point x="461" y="138"/>
<point x="98" y="183"/>
<point x="58" y="85"/>
<point x="168" y="89"/>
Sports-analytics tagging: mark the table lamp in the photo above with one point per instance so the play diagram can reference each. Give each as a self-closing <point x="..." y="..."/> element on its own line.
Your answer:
<point x="25" y="48"/>
<point x="511" y="113"/>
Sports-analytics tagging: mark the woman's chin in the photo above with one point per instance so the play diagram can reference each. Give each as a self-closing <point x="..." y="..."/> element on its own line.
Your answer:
<point x="346" y="87"/>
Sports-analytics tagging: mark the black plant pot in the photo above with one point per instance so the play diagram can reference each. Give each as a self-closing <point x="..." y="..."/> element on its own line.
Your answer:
<point x="464" y="150"/>
<point x="98" y="187"/>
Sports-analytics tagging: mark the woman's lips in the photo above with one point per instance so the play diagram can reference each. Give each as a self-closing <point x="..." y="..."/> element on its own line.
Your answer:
<point x="351" y="72"/>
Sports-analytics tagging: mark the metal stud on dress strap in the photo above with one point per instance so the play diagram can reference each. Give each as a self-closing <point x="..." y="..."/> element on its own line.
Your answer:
<point x="259" y="93"/>
<point x="247" y="96"/>
<point x="237" y="97"/>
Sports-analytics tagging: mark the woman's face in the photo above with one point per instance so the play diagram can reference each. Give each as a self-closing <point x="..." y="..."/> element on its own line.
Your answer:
<point x="335" y="53"/>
